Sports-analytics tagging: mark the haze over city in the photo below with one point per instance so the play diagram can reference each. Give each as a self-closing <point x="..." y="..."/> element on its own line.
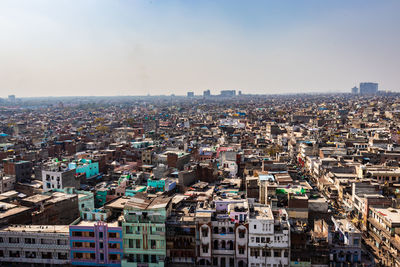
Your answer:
<point x="65" y="48"/>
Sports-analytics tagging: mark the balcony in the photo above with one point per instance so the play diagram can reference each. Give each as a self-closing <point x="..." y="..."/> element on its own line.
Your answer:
<point x="223" y="252"/>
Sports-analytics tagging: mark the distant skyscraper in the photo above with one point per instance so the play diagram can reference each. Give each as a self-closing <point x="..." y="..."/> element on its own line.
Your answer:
<point x="240" y="93"/>
<point x="206" y="93"/>
<point x="228" y="93"/>
<point x="11" y="98"/>
<point x="368" y="88"/>
<point x="190" y="94"/>
<point x="354" y="90"/>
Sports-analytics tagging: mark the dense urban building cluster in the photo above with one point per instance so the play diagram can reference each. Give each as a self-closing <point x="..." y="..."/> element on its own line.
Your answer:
<point x="228" y="180"/>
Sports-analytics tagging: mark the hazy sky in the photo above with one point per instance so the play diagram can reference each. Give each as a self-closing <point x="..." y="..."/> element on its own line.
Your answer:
<point x="115" y="47"/>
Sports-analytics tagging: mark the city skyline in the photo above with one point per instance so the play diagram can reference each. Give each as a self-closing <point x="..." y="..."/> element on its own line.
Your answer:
<point x="51" y="48"/>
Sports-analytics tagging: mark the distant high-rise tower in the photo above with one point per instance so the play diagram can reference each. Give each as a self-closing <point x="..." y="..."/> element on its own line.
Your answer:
<point x="240" y="93"/>
<point x="206" y="93"/>
<point x="368" y="88"/>
<point x="190" y="94"/>
<point x="228" y="93"/>
<point x="354" y="90"/>
<point x="11" y="98"/>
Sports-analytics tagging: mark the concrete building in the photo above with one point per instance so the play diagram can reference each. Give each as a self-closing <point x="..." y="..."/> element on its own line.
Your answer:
<point x="56" y="208"/>
<point x="144" y="231"/>
<point x="269" y="237"/>
<point x="20" y="169"/>
<point x="96" y="244"/>
<point x="36" y="245"/>
<point x="384" y="231"/>
<point x="368" y="88"/>
<point x="228" y="93"/>
<point x="86" y="166"/>
<point x="345" y="242"/>
<point x="7" y="183"/>
<point x="57" y="176"/>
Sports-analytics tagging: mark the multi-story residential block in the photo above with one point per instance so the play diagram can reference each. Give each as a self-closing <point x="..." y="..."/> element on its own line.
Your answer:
<point x="86" y="166"/>
<point x="204" y="213"/>
<point x="269" y="237"/>
<point x="96" y="243"/>
<point x="7" y="183"/>
<point x="20" y="169"/>
<point x="345" y="243"/>
<point x="56" y="208"/>
<point x="384" y="229"/>
<point x="55" y="175"/>
<point x="181" y="233"/>
<point x="144" y="231"/>
<point x="36" y="245"/>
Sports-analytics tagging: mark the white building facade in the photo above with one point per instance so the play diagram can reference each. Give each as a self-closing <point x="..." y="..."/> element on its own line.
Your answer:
<point x="269" y="237"/>
<point x="35" y="244"/>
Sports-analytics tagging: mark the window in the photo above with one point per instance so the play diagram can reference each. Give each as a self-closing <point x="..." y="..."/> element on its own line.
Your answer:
<point x="1" y="240"/>
<point x="102" y="256"/>
<point x="153" y="244"/>
<point x="78" y="255"/>
<point x="47" y="255"/>
<point x="205" y="249"/>
<point x="241" y="233"/>
<point x="255" y="226"/>
<point x="264" y="253"/>
<point x="204" y="232"/>
<point x="277" y="254"/>
<point x="30" y="254"/>
<point x="30" y="241"/>
<point x="356" y="241"/>
<point x="113" y="257"/>
<point x="113" y="245"/>
<point x="101" y="245"/>
<point x="241" y="250"/>
<point x="1" y="254"/>
<point x="137" y="243"/>
<point x="13" y="240"/>
<point x="62" y="256"/>
<point x="215" y="244"/>
<point x="77" y="233"/>
<point x="61" y="242"/>
<point x="128" y="230"/>
<point x="153" y="259"/>
<point x="100" y="234"/>
<point x="14" y="254"/>
<point x="112" y="235"/>
<point x="286" y="254"/>
<point x="257" y="240"/>
<point x="77" y="244"/>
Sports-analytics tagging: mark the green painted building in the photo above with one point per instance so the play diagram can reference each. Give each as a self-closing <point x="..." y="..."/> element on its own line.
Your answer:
<point x="143" y="229"/>
<point x="101" y="197"/>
